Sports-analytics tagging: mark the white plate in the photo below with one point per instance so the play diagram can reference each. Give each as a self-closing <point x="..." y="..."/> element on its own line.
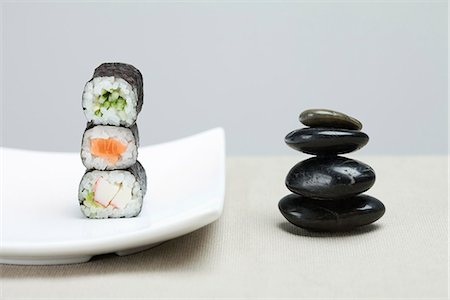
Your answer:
<point x="41" y="222"/>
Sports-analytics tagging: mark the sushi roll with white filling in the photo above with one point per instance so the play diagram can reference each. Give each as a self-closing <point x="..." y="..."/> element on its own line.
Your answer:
<point x="113" y="194"/>
<point x="109" y="147"/>
<point x="114" y="95"/>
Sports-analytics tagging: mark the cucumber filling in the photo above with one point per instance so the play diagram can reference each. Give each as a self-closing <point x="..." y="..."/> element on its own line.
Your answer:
<point x="109" y="99"/>
<point x="89" y="200"/>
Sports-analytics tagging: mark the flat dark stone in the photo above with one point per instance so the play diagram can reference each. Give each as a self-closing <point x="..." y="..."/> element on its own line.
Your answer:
<point x="330" y="177"/>
<point x="326" y="141"/>
<point x="329" y="118"/>
<point x="331" y="215"/>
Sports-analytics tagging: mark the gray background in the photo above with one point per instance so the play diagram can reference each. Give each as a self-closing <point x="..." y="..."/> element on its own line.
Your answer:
<point x="249" y="67"/>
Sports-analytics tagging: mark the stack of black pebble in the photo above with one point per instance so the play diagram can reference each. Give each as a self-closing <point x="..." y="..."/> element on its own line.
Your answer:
<point x="327" y="188"/>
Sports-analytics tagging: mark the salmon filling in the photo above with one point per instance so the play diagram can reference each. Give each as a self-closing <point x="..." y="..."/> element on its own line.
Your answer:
<point x="109" y="148"/>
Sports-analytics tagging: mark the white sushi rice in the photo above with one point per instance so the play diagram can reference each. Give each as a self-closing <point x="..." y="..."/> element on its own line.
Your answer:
<point x="111" y="116"/>
<point x="114" y="177"/>
<point x="123" y="135"/>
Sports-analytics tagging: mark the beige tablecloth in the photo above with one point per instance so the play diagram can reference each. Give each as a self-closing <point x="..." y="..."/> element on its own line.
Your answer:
<point x="252" y="252"/>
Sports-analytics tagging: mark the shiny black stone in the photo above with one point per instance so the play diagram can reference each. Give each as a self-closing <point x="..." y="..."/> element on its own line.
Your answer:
<point x="330" y="177"/>
<point x="331" y="215"/>
<point x="326" y="141"/>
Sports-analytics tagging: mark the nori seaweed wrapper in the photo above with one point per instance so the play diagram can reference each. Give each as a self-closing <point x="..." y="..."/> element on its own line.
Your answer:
<point x="141" y="176"/>
<point x="133" y="128"/>
<point x="128" y="73"/>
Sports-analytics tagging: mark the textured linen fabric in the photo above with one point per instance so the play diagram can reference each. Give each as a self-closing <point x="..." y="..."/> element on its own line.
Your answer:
<point x="253" y="252"/>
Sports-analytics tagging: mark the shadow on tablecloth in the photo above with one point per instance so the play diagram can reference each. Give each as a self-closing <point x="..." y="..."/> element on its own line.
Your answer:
<point x="288" y="227"/>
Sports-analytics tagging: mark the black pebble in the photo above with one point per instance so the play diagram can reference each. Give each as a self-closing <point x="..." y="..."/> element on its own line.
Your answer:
<point x="329" y="118"/>
<point x="331" y="215"/>
<point x="332" y="177"/>
<point x="326" y="141"/>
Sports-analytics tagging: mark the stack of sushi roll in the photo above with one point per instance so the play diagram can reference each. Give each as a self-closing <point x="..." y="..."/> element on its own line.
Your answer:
<point x="115" y="183"/>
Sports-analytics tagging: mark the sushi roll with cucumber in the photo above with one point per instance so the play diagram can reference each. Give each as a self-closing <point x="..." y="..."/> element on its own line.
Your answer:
<point x="107" y="147"/>
<point x="113" y="194"/>
<point x="114" y="95"/>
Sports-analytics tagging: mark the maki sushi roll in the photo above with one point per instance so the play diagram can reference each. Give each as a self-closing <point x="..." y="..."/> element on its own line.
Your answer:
<point x="113" y="194"/>
<point x="115" y="183"/>
<point x="109" y="147"/>
<point x="114" y="95"/>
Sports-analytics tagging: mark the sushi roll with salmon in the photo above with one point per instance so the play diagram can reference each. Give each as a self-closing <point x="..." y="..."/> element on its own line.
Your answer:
<point x="109" y="147"/>
<point x="113" y="194"/>
<point x="115" y="183"/>
<point x="114" y="95"/>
